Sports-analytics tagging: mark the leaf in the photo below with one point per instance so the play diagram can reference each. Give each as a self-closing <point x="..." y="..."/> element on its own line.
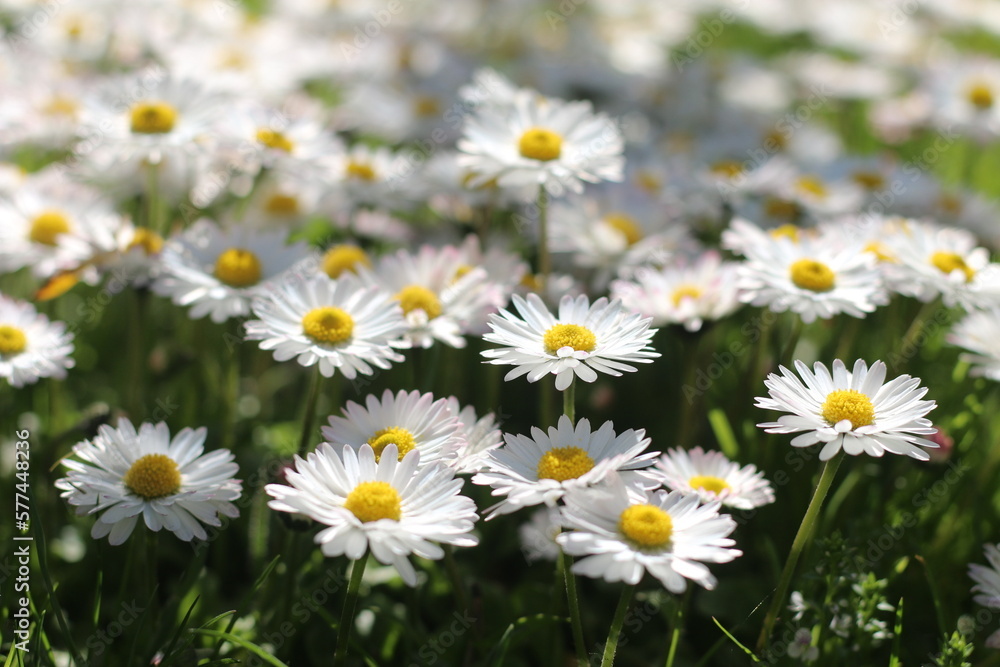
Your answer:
<point x="723" y="432"/>
<point x="248" y="645"/>
<point x="735" y="641"/>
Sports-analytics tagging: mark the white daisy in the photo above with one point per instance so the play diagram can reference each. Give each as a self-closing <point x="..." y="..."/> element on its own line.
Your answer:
<point x="541" y="468"/>
<point x="123" y="474"/>
<point x="624" y="533"/>
<point x="987" y="578"/>
<point x="407" y="420"/>
<point x="682" y="294"/>
<point x="538" y="535"/>
<point x="858" y="411"/>
<point x="544" y="142"/>
<point x="979" y="332"/>
<point x="584" y="339"/>
<point x="218" y="272"/>
<point x="31" y="346"/>
<point x="337" y="324"/>
<point x="712" y="476"/>
<point x="477" y="437"/>
<point x="392" y="506"/>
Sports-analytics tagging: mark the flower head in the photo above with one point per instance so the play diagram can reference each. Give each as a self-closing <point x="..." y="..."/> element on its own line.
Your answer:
<point x="31" y="346"/>
<point x="711" y="476"/>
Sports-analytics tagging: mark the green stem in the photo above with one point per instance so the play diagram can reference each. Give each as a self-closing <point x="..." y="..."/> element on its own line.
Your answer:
<point x="915" y="329"/>
<point x="137" y="354"/>
<point x="573" y="601"/>
<point x="801" y="538"/>
<point x="793" y="341"/>
<point x="569" y="402"/>
<point x="611" y="646"/>
<point x="347" y="616"/>
<point x="310" y="416"/>
<point x="544" y="259"/>
<point x="456" y="578"/>
<point x="153" y="200"/>
<point x="675" y="632"/>
<point x="232" y="398"/>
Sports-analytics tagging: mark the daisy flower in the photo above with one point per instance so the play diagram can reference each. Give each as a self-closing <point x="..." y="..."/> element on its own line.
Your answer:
<point x="584" y="339"/>
<point x="979" y="332"/>
<point x="406" y="420"/>
<point x="987" y="587"/>
<point x="337" y="324"/>
<point x="124" y="474"/>
<point x="219" y="271"/>
<point x="857" y="411"/>
<point x="543" y="142"/>
<point x="623" y="533"/>
<point x="541" y="468"/>
<point x="712" y="476"/>
<point x="538" y="535"/>
<point x="31" y="346"/>
<point x="389" y="505"/>
<point x="477" y="437"/>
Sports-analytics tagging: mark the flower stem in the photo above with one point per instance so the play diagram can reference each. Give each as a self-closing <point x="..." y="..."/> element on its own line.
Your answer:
<point x="907" y="348"/>
<point x="347" y="616"/>
<point x="569" y="402"/>
<point x="675" y="631"/>
<point x="456" y="577"/>
<point x="544" y="259"/>
<point x="310" y="416"/>
<point x="573" y="601"/>
<point x="798" y="544"/>
<point x="611" y="646"/>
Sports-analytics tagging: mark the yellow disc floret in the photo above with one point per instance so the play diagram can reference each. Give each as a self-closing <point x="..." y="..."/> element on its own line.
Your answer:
<point x="684" y="292"/>
<point x="540" y="144"/>
<point x="394" y="435"/>
<point x="153" y="118"/>
<point x="813" y="186"/>
<point x="786" y="231"/>
<point x="870" y="180"/>
<point x="646" y="525"/>
<point x="153" y="476"/>
<point x="812" y="275"/>
<point x="274" y="139"/>
<point x="880" y="250"/>
<point x="150" y="242"/>
<point x="12" y="340"/>
<point x="328" y="324"/>
<point x="848" y="404"/>
<point x="282" y="204"/>
<point x="626" y="226"/>
<point x="417" y="297"/>
<point x="714" y="484"/>
<point x="47" y="226"/>
<point x="371" y="501"/>
<point x="344" y="258"/>
<point x="237" y="267"/>
<point x="562" y="463"/>
<point x="360" y="171"/>
<point x="947" y="262"/>
<point x="980" y="96"/>
<point x="575" y="336"/>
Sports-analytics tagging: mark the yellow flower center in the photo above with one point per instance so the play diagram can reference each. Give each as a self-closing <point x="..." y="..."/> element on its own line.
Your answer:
<point x="12" y="340"/>
<point x="237" y="267"/>
<point x="417" y="297"/>
<point x="462" y="271"/>
<point x="540" y="144"/>
<point x="649" y="181"/>
<point x="947" y="262"/>
<point x="394" y="435"/>
<point x="781" y="208"/>
<point x="153" y="476"/>
<point x="813" y="186"/>
<point x="980" y="96"/>
<point x="786" y="231"/>
<point x="328" y="325"/>
<point x="360" y="171"/>
<point x="812" y="275"/>
<point x="950" y="204"/>
<point x="345" y="257"/>
<point x="274" y="139"/>
<point x="727" y="168"/>
<point x="426" y="106"/>
<point x="879" y="249"/>
<point x="714" y="484"/>
<point x="624" y="224"/>
<point x="848" y="404"/>
<point x="371" y="501"/>
<point x="153" y="118"/>
<point x="579" y="338"/>
<point x="47" y="226"/>
<point x="871" y="180"/>
<point x="646" y="525"/>
<point x="61" y="106"/>
<point x="562" y="463"/>
<point x="150" y="242"/>
<point x="282" y="204"/>
<point x="684" y="292"/>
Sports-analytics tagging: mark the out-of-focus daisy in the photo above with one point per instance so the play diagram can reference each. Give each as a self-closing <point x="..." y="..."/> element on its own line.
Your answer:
<point x="218" y="271"/>
<point x="544" y="142"/>
<point x="624" y="533"/>
<point x="541" y="468"/>
<point x="442" y="298"/>
<point x="31" y="346"/>
<point x="855" y="411"/>
<point x="123" y="474"/>
<point x="965" y="95"/>
<point x="811" y="279"/>
<point x="682" y="294"/>
<point x="338" y="325"/>
<point x="366" y="175"/>
<point x="408" y="420"/>
<point x="389" y="505"/>
<point x="712" y="476"/>
<point x="585" y="338"/>
<point x="538" y="535"/>
<point x="987" y="587"/>
<point x="477" y="438"/>
<point x="979" y="332"/>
